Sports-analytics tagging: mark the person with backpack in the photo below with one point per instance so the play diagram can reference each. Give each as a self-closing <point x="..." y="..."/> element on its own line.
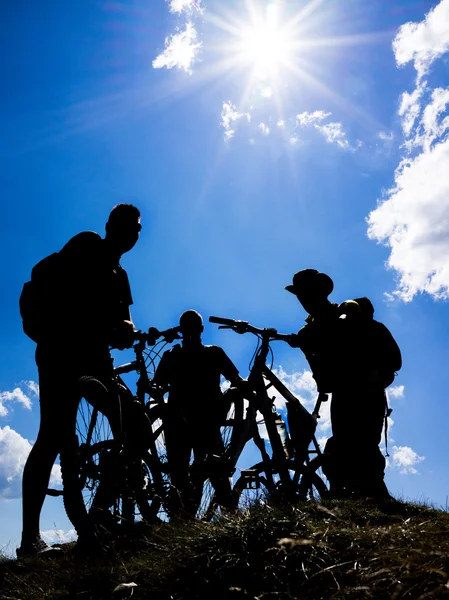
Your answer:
<point x="354" y="358"/>
<point x="76" y="306"/>
<point x="195" y="410"/>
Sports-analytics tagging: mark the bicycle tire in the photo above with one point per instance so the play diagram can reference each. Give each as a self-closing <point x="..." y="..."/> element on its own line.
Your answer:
<point x="311" y="485"/>
<point x="79" y="463"/>
<point x="98" y="489"/>
<point x="256" y="487"/>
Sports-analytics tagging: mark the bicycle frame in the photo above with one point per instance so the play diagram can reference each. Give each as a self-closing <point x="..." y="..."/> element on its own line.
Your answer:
<point x="127" y="447"/>
<point x="262" y="379"/>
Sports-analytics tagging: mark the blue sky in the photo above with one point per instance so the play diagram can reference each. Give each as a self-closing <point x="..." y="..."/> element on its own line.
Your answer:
<point x="258" y="139"/>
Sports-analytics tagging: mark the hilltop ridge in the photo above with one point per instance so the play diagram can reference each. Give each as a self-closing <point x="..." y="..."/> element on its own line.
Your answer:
<point x="337" y="550"/>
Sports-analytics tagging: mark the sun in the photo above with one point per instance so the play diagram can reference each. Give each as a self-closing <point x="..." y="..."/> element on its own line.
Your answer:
<point x="264" y="44"/>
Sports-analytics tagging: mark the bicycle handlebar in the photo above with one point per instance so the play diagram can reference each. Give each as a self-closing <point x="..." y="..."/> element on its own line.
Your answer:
<point x="245" y="327"/>
<point x="153" y="334"/>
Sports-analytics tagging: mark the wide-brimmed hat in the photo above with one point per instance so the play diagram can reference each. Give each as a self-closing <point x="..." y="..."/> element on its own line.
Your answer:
<point x="311" y="281"/>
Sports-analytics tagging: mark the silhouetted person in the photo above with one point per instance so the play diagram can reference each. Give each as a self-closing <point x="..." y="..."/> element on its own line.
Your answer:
<point x="355" y="358"/>
<point x="195" y="410"/>
<point x="90" y="314"/>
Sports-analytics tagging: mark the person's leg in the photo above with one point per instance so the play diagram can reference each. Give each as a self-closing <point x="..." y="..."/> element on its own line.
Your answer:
<point x="178" y="456"/>
<point x="209" y="463"/>
<point x="357" y="420"/>
<point x="58" y="414"/>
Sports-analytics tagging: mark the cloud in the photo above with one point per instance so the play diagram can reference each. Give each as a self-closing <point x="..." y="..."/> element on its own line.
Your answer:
<point x="32" y="386"/>
<point x="264" y="129"/>
<point x="17" y="395"/>
<point x="412" y="217"/>
<point x="307" y="118"/>
<point x="386" y="137"/>
<point x="410" y="108"/>
<point x="405" y="459"/>
<point x="229" y="119"/>
<point x="424" y="42"/>
<point x="303" y="386"/>
<point x="14" y="451"/>
<point x="58" y="536"/>
<point x="266" y="92"/>
<point x="281" y="124"/>
<point x="397" y="391"/>
<point x="180" y="51"/>
<point x="334" y="134"/>
<point x="413" y="221"/>
<point x="179" y="6"/>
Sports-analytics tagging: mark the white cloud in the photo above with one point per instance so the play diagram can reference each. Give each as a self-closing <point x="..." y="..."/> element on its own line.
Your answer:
<point x="17" y="395"/>
<point x="58" y="536"/>
<point x="32" y="386"/>
<point x="267" y="92"/>
<point x="410" y="108"/>
<point x="229" y="119"/>
<point x="179" y="6"/>
<point x="334" y="134"/>
<point x="281" y="124"/>
<point x="386" y="137"/>
<point x="14" y="450"/>
<point x="55" y="476"/>
<point x="303" y="386"/>
<point x="264" y="129"/>
<point x="180" y="51"/>
<point x="405" y="459"/>
<point x="412" y="219"/>
<point x="432" y="126"/>
<point x="307" y="118"/>
<point x="424" y="42"/>
<point x="397" y="391"/>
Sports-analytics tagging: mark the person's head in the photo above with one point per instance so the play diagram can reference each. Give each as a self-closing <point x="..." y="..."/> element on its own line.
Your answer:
<point x="191" y="325"/>
<point x="312" y="289"/>
<point x="123" y="227"/>
<point x="366" y="307"/>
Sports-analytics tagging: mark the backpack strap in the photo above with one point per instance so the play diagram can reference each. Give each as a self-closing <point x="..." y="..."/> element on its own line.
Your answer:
<point x="388" y="411"/>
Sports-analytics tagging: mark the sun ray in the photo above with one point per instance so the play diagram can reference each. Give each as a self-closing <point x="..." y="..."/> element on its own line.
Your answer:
<point x="348" y="107"/>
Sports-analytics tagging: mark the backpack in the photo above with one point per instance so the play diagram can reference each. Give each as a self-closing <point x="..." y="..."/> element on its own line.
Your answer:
<point x="38" y="301"/>
<point x="376" y="342"/>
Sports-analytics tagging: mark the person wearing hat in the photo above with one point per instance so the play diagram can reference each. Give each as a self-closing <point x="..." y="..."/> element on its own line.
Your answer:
<point x="354" y="358"/>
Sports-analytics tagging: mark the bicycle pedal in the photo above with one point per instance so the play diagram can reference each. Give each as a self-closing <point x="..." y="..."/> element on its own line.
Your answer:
<point x="251" y="478"/>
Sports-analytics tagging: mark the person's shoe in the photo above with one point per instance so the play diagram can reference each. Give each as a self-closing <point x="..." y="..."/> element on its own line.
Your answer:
<point x="34" y="547"/>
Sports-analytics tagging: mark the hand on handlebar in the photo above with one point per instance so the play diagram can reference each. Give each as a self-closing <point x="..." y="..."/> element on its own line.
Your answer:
<point x="169" y="335"/>
<point x="123" y="335"/>
<point x="292" y="340"/>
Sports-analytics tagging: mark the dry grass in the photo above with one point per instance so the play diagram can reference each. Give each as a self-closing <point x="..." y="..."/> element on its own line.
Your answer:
<point x="335" y="550"/>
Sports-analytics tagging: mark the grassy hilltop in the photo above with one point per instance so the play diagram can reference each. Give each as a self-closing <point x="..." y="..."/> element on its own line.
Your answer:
<point x="334" y="550"/>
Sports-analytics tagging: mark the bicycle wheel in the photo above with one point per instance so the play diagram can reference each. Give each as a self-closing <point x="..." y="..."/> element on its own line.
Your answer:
<point x="259" y="487"/>
<point x="311" y="482"/>
<point x="254" y="488"/>
<point x="105" y="484"/>
<point x="82" y="463"/>
<point x="153" y="503"/>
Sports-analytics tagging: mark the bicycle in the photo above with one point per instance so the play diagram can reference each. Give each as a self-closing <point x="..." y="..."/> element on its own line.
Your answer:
<point x="212" y="474"/>
<point x="289" y="473"/>
<point x="112" y="469"/>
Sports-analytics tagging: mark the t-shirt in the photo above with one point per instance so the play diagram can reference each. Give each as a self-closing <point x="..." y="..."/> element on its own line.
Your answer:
<point x="192" y="375"/>
<point x="94" y="293"/>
